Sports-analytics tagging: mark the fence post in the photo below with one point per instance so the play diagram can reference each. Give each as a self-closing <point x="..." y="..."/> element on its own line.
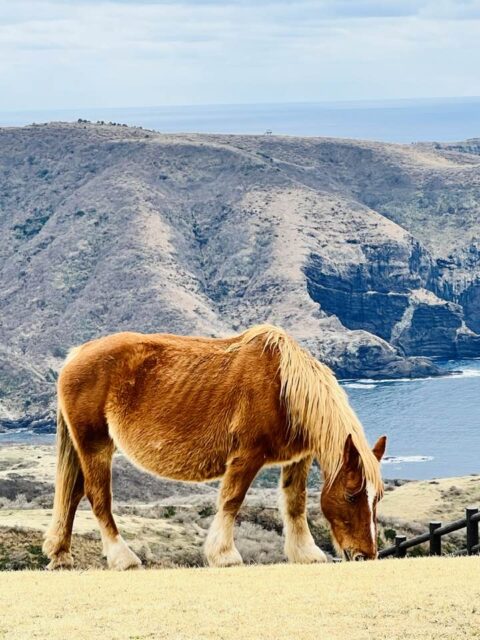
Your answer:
<point x="399" y="552"/>
<point x="472" y="529"/>
<point x="435" y="541"/>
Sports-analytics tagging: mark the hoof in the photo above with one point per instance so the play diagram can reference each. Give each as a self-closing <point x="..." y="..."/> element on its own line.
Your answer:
<point x="61" y="560"/>
<point x="121" y="558"/>
<point x="310" y="554"/>
<point x="125" y="564"/>
<point x="231" y="558"/>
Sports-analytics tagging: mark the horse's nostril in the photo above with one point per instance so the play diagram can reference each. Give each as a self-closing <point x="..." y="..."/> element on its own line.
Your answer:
<point x="359" y="557"/>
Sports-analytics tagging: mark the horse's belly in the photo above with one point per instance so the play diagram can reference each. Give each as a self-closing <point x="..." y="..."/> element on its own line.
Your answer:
<point x="165" y="463"/>
<point x="177" y="459"/>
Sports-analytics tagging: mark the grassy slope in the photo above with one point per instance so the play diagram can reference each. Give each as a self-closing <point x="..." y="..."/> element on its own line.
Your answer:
<point x="418" y="598"/>
<point x="442" y="499"/>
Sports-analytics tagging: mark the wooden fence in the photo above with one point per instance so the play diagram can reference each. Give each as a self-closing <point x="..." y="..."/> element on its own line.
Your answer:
<point x="434" y="537"/>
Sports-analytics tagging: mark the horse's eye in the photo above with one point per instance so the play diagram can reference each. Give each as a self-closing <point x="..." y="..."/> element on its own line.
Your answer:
<point x="349" y="498"/>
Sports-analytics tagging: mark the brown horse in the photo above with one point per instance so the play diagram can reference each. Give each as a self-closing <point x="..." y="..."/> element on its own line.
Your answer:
<point x="197" y="409"/>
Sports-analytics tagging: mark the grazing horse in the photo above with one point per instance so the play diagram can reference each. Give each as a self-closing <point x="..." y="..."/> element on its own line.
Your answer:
<point x="197" y="409"/>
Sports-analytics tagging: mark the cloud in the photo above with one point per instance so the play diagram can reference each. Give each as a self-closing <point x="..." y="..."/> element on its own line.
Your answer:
<point x="127" y="52"/>
<point x="323" y="8"/>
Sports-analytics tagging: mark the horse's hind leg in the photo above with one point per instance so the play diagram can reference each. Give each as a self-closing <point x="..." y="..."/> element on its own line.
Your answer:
<point x="299" y="543"/>
<point x="220" y="548"/>
<point x="96" y="461"/>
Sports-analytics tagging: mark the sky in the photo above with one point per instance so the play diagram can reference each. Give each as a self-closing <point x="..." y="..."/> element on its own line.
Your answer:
<point x="119" y="53"/>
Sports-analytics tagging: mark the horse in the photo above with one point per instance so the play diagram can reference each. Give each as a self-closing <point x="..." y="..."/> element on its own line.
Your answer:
<point x="199" y="409"/>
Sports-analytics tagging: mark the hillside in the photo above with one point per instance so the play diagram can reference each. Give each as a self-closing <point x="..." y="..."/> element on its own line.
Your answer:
<point x="431" y="598"/>
<point x="369" y="253"/>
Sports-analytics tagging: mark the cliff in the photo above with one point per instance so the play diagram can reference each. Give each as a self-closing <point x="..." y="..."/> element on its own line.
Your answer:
<point x="368" y="253"/>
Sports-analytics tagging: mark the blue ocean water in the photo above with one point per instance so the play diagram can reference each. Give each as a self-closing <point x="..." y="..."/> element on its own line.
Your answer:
<point x="433" y="425"/>
<point x="446" y="119"/>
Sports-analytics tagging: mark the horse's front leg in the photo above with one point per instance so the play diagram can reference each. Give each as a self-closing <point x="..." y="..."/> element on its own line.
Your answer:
<point x="299" y="543"/>
<point x="220" y="548"/>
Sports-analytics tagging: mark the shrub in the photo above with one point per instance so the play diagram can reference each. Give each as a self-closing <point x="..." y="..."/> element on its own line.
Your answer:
<point x="389" y="534"/>
<point x="206" y="511"/>
<point x="59" y="352"/>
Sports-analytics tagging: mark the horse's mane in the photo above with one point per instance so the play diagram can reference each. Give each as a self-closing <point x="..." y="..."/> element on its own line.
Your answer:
<point x="317" y="406"/>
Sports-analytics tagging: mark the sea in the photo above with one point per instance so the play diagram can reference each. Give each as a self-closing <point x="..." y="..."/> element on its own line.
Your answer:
<point x="405" y="121"/>
<point x="433" y="425"/>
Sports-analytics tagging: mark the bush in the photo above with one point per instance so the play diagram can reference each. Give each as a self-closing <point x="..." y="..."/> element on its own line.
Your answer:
<point x="207" y="511"/>
<point x="389" y="534"/>
<point x="59" y="352"/>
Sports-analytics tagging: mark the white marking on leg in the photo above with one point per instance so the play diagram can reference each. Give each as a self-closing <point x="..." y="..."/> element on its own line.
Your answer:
<point x="371" y="498"/>
<point x="300" y="546"/>
<point x="219" y="546"/>
<point x="118" y="553"/>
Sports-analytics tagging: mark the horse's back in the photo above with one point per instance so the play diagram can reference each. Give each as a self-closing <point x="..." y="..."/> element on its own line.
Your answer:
<point x="191" y="398"/>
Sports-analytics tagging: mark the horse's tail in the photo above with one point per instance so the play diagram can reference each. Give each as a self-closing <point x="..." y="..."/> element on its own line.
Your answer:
<point x="67" y="475"/>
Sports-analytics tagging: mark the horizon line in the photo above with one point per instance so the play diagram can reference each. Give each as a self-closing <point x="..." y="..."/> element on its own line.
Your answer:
<point x="351" y="102"/>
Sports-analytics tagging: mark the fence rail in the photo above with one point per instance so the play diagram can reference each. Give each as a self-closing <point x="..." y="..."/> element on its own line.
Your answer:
<point x="434" y="536"/>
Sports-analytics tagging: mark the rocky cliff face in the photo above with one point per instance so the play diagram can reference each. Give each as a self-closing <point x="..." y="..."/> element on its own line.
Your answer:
<point x="368" y="253"/>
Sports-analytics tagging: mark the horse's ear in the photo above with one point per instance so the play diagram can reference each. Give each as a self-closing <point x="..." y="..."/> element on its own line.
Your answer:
<point x="379" y="448"/>
<point x="351" y="457"/>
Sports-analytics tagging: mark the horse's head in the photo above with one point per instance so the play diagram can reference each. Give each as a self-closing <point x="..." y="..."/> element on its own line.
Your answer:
<point x="349" y="504"/>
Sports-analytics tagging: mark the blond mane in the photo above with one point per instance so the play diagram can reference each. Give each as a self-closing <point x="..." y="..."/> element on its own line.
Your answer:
<point x="317" y="406"/>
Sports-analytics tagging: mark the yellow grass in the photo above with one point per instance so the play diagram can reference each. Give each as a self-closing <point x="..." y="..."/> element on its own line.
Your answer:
<point x="444" y="499"/>
<point x="409" y="599"/>
<point x="85" y="522"/>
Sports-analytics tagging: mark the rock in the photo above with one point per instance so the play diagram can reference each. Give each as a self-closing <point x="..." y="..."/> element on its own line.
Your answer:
<point x="470" y="301"/>
<point x="434" y="327"/>
<point x="357" y="354"/>
<point x="468" y="343"/>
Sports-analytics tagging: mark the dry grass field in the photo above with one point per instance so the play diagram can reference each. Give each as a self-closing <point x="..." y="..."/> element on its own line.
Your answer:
<point x="409" y="599"/>
<point x="442" y="499"/>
